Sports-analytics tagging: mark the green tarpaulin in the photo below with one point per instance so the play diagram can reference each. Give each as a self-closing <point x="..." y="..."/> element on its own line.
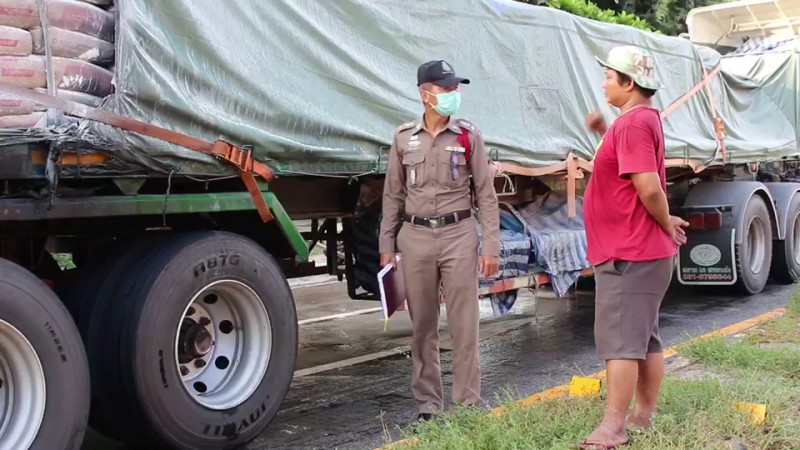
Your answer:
<point x="320" y="86"/>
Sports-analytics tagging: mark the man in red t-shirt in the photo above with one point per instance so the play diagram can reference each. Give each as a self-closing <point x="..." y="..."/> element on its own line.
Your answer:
<point x="632" y="244"/>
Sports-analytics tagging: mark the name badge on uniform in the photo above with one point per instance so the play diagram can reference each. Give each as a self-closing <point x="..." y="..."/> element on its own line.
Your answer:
<point x="455" y="149"/>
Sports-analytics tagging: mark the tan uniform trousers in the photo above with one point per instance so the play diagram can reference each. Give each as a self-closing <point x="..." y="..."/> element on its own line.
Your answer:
<point x="449" y="254"/>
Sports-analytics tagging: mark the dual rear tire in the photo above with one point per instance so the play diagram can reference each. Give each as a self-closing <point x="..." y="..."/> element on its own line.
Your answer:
<point x="754" y="253"/>
<point x="760" y="255"/>
<point x="191" y="339"/>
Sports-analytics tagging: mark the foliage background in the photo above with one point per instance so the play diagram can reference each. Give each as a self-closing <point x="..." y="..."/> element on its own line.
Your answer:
<point x="661" y="16"/>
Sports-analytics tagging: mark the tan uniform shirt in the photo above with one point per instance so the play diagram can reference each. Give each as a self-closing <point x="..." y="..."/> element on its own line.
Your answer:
<point x="429" y="177"/>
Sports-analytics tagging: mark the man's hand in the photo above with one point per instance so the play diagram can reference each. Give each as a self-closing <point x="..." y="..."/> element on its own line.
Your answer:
<point x="488" y="266"/>
<point x="677" y="231"/>
<point x="388" y="259"/>
<point x="596" y="122"/>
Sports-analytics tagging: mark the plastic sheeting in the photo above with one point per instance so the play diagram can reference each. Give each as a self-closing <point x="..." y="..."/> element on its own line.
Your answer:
<point x="320" y="86"/>
<point x="777" y="74"/>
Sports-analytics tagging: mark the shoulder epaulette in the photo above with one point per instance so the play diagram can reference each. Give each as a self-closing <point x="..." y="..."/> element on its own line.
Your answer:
<point x="407" y="126"/>
<point x="467" y="124"/>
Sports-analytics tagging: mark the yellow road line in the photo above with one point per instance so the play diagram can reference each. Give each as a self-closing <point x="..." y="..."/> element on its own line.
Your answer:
<point x="563" y="390"/>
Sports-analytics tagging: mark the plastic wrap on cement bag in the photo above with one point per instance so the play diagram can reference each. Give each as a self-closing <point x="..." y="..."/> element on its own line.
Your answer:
<point x="83" y="77"/>
<point x="22" y="121"/>
<point x="77" y="97"/>
<point x="19" y="13"/>
<point x="15" y="41"/>
<point x="71" y="44"/>
<point x="24" y="71"/>
<point x="14" y="106"/>
<point x="320" y="86"/>
<point x="70" y="74"/>
<point x="69" y="15"/>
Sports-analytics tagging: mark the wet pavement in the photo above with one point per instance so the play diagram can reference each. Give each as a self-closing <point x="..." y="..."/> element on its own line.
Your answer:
<point x="540" y="344"/>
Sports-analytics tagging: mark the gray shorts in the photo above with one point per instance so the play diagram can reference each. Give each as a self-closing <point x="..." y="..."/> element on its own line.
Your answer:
<point x="628" y="296"/>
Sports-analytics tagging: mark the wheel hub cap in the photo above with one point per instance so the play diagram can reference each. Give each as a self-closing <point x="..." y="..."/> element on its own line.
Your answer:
<point x="22" y="390"/>
<point x="223" y="344"/>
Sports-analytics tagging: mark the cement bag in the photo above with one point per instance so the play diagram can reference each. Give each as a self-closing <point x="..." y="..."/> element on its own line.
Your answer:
<point x="25" y="71"/>
<point x="77" y="97"/>
<point x="15" y="41"/>
<point x="19" y="13"/>
<point x="22" y="121"/>
<point x="71" y="44"/>
<point x="13" y="106"/>
<point x="80" y="17"/>
<point x="80" y="76"/>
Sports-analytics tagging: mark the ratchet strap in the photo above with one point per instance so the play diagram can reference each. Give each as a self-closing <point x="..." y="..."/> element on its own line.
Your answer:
<point x="237" y="156"/>
<point x="719" y="124"/>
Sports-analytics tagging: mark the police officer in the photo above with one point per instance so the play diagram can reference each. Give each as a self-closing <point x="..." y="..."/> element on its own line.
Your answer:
<point x="427" y="197"/>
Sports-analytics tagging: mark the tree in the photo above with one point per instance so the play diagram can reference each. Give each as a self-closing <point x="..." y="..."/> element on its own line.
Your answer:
<point x="590" y="10"/>
<point x="661" y="16"/>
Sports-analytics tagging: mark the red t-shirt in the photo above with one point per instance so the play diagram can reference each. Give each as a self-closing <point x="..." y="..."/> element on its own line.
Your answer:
<point x="618" y="226"/>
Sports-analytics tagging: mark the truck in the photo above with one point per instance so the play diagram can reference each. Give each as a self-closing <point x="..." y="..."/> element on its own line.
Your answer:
<point x="156" y="157"/>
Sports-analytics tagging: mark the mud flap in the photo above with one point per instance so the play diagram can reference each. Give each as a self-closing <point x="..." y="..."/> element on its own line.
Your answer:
<point x="708" y="258"/>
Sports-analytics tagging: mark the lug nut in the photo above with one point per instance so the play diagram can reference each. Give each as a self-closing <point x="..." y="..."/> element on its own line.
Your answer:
<point x="199" y="363"/>
<point x="184" y="371"/>
<point x="204" y="321"/>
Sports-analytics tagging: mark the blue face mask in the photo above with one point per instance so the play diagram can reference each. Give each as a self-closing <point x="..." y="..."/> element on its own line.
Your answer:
<point x="447" y="103"/>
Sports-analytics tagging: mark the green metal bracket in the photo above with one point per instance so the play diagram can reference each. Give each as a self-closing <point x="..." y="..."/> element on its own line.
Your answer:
<point x="296" y="240"/>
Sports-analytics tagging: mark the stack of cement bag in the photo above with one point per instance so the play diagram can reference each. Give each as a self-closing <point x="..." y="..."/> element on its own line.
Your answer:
<point x="82" y="44"/>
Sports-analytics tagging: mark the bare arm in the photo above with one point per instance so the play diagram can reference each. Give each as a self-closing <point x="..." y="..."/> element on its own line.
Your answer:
<point x="648" y="186"/>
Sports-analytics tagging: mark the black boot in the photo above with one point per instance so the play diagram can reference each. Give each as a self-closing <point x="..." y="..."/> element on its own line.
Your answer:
<point x="426" y="417"/>
<point x="421" y="418"/>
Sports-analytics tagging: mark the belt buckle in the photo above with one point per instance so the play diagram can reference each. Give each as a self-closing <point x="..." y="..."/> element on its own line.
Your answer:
<point x="437" y="222"/>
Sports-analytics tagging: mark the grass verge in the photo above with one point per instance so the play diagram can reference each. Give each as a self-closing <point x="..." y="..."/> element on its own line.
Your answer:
<point x="695" y="412"/>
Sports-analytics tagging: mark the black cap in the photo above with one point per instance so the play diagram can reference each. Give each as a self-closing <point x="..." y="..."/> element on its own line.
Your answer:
<point x="440" y="73"/>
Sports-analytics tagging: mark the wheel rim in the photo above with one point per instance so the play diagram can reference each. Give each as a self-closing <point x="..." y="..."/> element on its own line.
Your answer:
<point x="796" y="240"/>
<point x="223" y="344"/>
<point x="756" y="242"/>
<point x="23" y="389"/>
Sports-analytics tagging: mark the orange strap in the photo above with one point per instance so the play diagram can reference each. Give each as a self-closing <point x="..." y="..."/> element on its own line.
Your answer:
<point x="719" y="124"/>
<point x="236" y="156"/>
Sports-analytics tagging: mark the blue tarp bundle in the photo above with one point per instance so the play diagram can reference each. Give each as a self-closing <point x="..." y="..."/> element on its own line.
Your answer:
<point x="541" y="237"/>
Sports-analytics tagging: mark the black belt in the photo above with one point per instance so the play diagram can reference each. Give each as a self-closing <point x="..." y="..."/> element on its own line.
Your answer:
<point x="436" y="222"/>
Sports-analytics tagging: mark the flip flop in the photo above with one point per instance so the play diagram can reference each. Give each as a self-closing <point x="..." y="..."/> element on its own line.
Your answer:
<point x="586" y="445"/>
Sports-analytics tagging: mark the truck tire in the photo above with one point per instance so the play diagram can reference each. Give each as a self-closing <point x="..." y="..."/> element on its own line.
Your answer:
<point x="42" y="361"/>
<point x="786" y="253"/>
<point x="754" y="254"/>
<point x="196" y="337"/>
<point x="90" y="299"/>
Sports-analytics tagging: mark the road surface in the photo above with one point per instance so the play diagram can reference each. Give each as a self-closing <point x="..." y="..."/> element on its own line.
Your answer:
<point x="347" y="394"/>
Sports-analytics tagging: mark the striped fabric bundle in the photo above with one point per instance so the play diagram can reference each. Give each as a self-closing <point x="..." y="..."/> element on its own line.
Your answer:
<point x="559" y="241"/>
